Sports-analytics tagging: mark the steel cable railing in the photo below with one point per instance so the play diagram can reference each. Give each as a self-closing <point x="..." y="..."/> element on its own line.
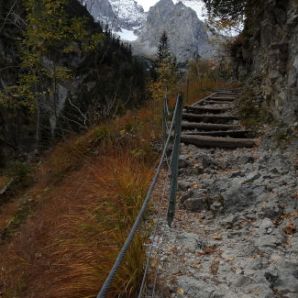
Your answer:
<point x="175" y="128"/>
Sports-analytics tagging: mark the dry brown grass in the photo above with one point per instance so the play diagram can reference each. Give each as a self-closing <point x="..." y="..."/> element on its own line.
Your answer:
<point x="201" y="88"/>
<point x="86" y="195"/>
<point x="3" y="181"/>
<point x="88" y="192"/>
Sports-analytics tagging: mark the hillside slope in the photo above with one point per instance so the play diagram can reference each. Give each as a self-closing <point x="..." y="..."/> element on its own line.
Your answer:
<point x="81" y="75"/>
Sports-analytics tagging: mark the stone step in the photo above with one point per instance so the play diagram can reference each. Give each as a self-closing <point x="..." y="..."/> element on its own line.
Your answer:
<point x="227" y="133"/>
<point x="209" y="118"/>
<point x="217" y="142"/>
<point x="204" y="110"/>
<point x="208" y="126"/>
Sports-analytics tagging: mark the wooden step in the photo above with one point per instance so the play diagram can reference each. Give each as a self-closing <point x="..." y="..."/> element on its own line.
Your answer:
<point x="228" y="91"/>
<point x="221" y="98"/>
<point x="208" y="126"/>
<point x="227" y="133"/>
<point x="216" y="142"/>
<point x="204" y="110"/>
<point x="214" y="102"/>
<point x="209" y="118"/>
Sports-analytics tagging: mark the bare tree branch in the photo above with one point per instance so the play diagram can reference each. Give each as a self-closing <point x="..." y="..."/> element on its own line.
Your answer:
<point x="8" y="14"/>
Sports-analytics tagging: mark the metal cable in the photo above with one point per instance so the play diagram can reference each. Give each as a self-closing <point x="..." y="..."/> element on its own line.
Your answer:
<point x="151" y="247"/>
<point x="138" y="220"/>
<point x="157" y="267"/>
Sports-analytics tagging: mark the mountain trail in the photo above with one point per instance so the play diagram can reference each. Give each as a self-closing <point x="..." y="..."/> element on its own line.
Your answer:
<point x="235" y="230"/>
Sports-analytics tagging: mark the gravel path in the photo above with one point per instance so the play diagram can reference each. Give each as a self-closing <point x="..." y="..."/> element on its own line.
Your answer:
<point x="236" y="228"/>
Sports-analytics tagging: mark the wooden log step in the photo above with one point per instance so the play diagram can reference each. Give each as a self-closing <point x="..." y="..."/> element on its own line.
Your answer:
<point x="221" y="98"/>
<point x="208" y="126"/>
<point x="203" y="110"/>
<point x="209" y="118"/>
<point x="227" y="133"/>
<point x="214" y="102"/>
<point x="223" y="91"/>
<point x="215" y="142"/>
<point x="227" y="91"/>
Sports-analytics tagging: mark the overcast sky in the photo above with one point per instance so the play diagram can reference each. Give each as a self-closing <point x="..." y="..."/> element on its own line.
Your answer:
<point x="147" y="3"/>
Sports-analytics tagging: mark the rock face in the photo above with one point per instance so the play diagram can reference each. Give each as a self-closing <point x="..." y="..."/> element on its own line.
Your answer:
<point x="130" y="15"/>
<point x="268" y="54"/>
<point x="124" y="14"/>
<point x="102" y="11"/>
<point x="187" y="34"/>
<point x="180" y="19"/>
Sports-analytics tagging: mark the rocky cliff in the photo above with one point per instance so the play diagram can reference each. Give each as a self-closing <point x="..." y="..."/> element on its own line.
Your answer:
<point x="267" y="54"/>
<point x="119" y="15"/>
<point x="188" y="36"/>
<point x="131" y="15"/>
<point x="102" y="11"/>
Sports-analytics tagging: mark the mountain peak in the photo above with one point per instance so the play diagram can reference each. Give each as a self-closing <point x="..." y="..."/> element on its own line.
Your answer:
<point x="186" y="41"/>
<point x="162" y="2"/>
<point x="188" y="36"/>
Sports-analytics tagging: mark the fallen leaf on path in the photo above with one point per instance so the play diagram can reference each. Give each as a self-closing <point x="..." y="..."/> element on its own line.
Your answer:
<point x="290" y="229"/>
<point x="214" y="266"/>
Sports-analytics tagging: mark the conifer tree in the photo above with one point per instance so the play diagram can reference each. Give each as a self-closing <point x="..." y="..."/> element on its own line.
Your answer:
<point x="163" y="47"/>
<point x="166" y="69"/>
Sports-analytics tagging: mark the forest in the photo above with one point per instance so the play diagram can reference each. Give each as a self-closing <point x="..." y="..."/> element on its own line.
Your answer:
<point x="58" y="78"/>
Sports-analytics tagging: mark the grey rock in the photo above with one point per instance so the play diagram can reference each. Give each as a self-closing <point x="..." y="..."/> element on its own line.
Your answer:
<point x="268" y="242"/>
<point x="207" y="162"/>
<point x="246" y="159"/>
<point x="187" y="41"/>
<point x="238" y="197"/>
<point x="253" y="176"/>
<point x="186" y="195"/>
<point x="217" y="206"/>
<point x="196" y="170"/>
<point x="188" y="241"/>
<point x="272" y="212"/>
<point x="272" y="277"/>
<point x="243" y="281"/>
<point x="183" y="162"/>
<point x="184" y="185"/>
<point x="237" y="174"/>
<point x="195" y="204"/>
<point x="266" y="226"/>
<point x="229" y="221"/>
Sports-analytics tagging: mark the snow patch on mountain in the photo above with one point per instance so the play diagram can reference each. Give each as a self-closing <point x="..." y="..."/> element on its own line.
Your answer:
<point x="198" y="6"/>
<point x="129" y="13"/>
